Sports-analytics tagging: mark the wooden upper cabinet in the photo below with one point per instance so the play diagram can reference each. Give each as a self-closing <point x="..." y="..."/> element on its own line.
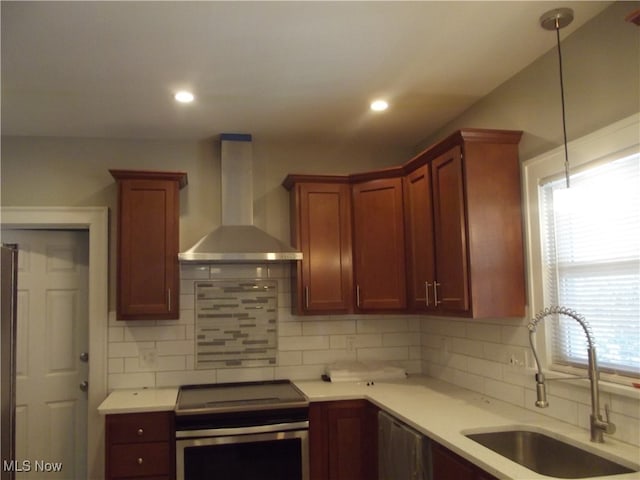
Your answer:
<point x="321" y="229"/>
<point x="420" y="246"/>
<point x="440" y="234"/>
<point x="378" y="245"/>
<point x="450" y="285"/>
<point x="436" y="235"/>
<point x="472" y="260"/>
<point x="148" y="242"/>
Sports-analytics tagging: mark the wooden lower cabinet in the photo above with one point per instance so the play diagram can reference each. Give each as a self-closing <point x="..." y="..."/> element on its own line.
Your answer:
<point x="140" y="445"/>
<point x="343" y="440"/>
<point x="446" y="465"/>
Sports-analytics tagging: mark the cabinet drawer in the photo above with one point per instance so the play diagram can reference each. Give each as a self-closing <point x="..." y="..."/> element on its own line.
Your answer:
<point x="140" y="459"/>
<point x="139" y="427"/>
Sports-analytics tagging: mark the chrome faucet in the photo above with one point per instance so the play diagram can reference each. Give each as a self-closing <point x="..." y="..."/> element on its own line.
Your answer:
<point x="598" y="425"/>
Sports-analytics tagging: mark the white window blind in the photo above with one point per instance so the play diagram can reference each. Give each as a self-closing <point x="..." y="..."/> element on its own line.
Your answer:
<point x="591" y="250"/>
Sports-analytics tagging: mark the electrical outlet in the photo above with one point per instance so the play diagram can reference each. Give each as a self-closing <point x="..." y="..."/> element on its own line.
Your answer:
<point x="516" y="358"/>
<point x="148" y="358"/>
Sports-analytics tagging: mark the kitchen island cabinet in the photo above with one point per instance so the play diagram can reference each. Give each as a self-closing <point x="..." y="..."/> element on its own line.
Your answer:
<point x="148" y="284"/>
<point x="321" y="229"/>
<point x="140" y="445"/>
<point x="343" y="440"/>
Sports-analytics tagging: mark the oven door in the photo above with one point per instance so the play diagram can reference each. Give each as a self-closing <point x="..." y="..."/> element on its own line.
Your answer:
<point x="266" y="452"/>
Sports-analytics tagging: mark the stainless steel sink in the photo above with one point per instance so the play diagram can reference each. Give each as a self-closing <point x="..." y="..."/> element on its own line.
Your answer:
<point x="547" y="455"/>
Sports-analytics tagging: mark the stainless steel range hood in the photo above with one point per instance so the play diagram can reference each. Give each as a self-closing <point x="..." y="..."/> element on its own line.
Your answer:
<point x="237" y="239"/>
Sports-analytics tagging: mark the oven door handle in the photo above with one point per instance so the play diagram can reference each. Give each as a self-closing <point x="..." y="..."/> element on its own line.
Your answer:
<point x="224" y="432"/>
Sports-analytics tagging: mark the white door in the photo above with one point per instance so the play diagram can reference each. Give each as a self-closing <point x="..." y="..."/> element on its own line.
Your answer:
<point x="51" y="408"/>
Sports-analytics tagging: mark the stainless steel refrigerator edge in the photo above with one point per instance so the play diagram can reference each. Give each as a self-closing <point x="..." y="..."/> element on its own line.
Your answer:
<point x="8" y="286"/>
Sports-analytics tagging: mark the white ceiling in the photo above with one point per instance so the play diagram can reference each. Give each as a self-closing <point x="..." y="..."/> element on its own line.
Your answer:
<point x="273" y="69"/>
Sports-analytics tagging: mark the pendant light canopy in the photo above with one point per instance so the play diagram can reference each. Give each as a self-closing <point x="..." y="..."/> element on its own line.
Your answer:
<point x="555" y="20"/>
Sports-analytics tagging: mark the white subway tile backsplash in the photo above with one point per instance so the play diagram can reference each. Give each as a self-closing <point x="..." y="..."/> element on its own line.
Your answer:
<point x="467" y="347"/>
<point x="128" y="349"/>
<point x="314" y="342"/>
<point x="175" y="347"/>
<point x="324" y="357"/>
<point x="187" y="377"/>
<point x="383" y="353"/>
<point x="383" y="324"/>
<point x="468" y="380"/>
<point x="229" y="375"/>
<point x="484" y="332"/>
<point x="366" y="340"/>
<point x="194" y="272"/>
<point x="131" y="380"/>
<point x="400" y="339"/>
<point x="505" y="391"/>
<point x="475" y="355"/>
<point x="304" y="372"/>
<point x="485" y="368"/>
<point x="329" y="327"/>
<point x="115" y="334"/>
<point x="115" y="365"/>
<point x="152" y="333"/>
<point x="626" y="406"/>
<point x="287" y="359"/>
<point x="470" y="353"/>
<point x="516" y="335"/>
<point x="289" y="329"/>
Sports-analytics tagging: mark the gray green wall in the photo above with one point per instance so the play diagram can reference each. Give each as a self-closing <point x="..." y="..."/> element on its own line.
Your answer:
<point x="601" y="65"/>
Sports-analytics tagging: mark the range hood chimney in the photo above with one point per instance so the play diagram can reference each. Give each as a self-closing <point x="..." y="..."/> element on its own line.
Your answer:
<point x="237" y="239"/>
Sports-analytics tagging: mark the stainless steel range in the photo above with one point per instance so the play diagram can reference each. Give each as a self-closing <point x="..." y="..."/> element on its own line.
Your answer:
<point x="244" y="431"/>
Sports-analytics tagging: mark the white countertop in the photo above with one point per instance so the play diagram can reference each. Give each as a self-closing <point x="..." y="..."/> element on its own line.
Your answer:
<point x="440" y="410"/>
<point x="443" y="411"/>
<point x="139" y="400"/>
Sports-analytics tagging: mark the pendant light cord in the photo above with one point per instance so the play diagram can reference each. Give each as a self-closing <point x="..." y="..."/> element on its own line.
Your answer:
<point x="564" y="121"/>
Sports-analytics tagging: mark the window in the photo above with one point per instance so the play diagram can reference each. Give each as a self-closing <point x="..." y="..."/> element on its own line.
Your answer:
<point x="583" y="249"/>
<point x="591" y="254"/>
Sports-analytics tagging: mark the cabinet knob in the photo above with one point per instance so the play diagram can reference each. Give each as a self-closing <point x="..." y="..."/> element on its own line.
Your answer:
<point x="140" y="432"/>
<point x="140" y="461"/>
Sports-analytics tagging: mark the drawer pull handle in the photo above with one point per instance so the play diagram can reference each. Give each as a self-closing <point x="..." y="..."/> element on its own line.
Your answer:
<point x="140" y="432"/>
<point x="140" y="461"/>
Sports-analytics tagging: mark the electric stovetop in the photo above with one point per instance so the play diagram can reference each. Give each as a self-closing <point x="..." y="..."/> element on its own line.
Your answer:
<point x="239" y="397"/>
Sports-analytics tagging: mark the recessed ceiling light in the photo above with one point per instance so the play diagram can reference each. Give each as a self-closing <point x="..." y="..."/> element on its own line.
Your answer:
<point x="184" y="97"/>
<point x="379" y="105"/>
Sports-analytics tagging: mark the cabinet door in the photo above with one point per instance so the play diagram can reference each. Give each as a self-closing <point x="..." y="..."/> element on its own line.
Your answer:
<point x="448" y="466"/>
<point x="325" y="281"/>
<point x="148" y="236"/>
<point x="140" y="445"/>
<point x="418" y="207"/>
<point x="379" y="245"/>
<point x="452" y="284"/>
<point x="343" y="440"/>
